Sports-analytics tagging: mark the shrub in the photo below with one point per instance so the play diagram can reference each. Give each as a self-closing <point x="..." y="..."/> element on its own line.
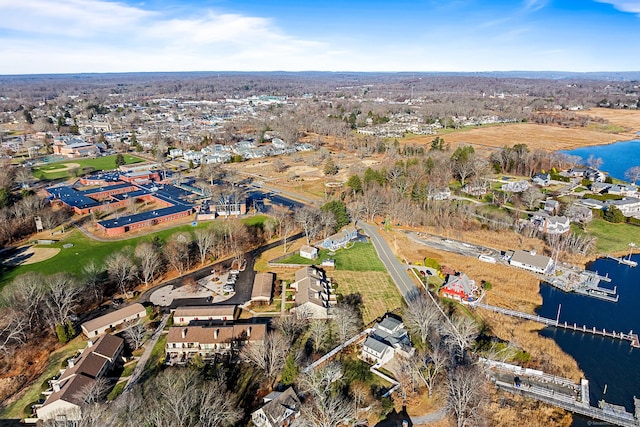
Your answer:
<point x="432" y="263"/>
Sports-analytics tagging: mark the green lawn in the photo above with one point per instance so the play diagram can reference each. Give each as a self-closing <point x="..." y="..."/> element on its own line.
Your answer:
<point x="613" y="237"/>
<point x="72" y="259"/>
<point x="255" y="221"/>
<point x="57" y="170"/>
<point x="359" y="257"/>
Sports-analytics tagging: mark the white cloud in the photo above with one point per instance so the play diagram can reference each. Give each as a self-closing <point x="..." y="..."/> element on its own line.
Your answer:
<point x="76" y="18"/>
<point x="534" y="5"/>
<point x="631" y="6"/>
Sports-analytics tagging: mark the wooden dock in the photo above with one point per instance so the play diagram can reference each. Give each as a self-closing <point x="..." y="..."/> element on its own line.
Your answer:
<point x="633" y="338"/>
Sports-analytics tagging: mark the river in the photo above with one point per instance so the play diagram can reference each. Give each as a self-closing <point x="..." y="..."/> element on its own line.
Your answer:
<point x="606" y="362"/>
<point x="616" y="158"/>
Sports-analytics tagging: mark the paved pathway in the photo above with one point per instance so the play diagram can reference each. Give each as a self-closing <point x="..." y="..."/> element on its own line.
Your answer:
<point x="135" y="376"/>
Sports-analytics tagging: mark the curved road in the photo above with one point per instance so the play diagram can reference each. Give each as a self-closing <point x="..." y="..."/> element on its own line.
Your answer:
<point x="397" y="270"/>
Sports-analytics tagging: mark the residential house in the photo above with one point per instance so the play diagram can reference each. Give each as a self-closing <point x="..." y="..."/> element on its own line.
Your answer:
<point x="175" y="152"/>
<point x="280" y="409"/>
<point x="100" y="325"/>
<point x="308" y="252"/>
<point x="71" y="389"/>
<point x="183" y="343"/>
<point x="629" y="206"/>
<point x="341" y="238"/>
<point x="192" y="315"/>
<point x="460" y="288"/>
<point x="444" y="194"/>
<point x="551" y="224"/>
<point x="542" y="179"/>
<point x="262" y="288"/>
<point x="389" y="337"/>
<point x="551" y="206"/>
<point x="516" y="186"/>
<point x="315" y="295"/>
<point x="531" y="261"/>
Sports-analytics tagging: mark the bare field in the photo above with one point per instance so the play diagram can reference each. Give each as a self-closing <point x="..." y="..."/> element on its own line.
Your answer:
<point x="629" y="119"/>
<point x="379" y="293"/>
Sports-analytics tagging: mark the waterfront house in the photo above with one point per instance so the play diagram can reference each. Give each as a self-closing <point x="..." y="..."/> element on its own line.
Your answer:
<point x="459" y="287"/>
<point x="530" y="261"/>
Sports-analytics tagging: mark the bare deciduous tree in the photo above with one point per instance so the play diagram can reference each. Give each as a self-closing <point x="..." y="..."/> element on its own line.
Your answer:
<point x="291" y="326"/>
<point x="270" y="356"/>
<point x="205" y="241"/>
<point x="460" y="333"/>
<point x="135" y="334"/>
<point x="531" y="196"/>
<point x="13" y="330"/>
<point x="345" y="322"/>
<point x="121" y="267"/>
<point x="308" y="219"/>
<point x="431" y="363"/>
<point x="633" y="174"/>
<point x="150" y="261"/>
<point x="61" y="297"/>
<point x="92" y="277"/>
<point x="420" y="315"/>
<point x="466" y="394"/>
<point x="176" y="252"/>
<point x="318" y="333"/>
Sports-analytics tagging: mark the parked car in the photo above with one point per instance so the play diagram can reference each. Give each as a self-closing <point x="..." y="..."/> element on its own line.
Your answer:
<point x="228" y="288"/>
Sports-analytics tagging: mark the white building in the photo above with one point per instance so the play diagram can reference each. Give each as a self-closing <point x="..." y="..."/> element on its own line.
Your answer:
<point x="531" y="261"/>
<point x="388" y="338"/>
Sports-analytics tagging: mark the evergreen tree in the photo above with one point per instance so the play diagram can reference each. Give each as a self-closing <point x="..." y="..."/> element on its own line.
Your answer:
<point x="339" y="210"/>
<point x="120" y="160"/>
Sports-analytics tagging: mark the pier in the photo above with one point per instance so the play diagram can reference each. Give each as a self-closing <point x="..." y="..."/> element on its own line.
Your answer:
<point x="582" y="282"/>
<point x="558" y="391"/>
<point x="625" y="261"/>
<point x="631" y="337"/>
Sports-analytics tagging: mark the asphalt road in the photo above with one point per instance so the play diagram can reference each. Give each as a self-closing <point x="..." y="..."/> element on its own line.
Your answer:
<point x="397" y="271"/>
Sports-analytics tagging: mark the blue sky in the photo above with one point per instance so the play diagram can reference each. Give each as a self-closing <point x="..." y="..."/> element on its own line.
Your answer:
<point x="71" y="36"/>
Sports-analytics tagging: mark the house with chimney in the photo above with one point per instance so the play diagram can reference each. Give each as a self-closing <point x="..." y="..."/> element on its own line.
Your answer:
<point x="76" y="383"/>
<point x="280" y="409"/>
<point x="186" y="342"/>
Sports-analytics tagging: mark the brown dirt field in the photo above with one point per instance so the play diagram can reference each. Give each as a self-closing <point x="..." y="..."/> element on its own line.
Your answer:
<point x="509" y="410"/>
<point x="40" y="254"/>
<point x="69" y="166"/>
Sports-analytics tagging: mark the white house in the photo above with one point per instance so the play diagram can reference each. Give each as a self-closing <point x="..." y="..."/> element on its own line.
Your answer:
<point x="308" y="252"/>
<point x="551" y="224"/>
<point x="100" y="325"/>
<point x="531" y="261"/>
<point x="388" y="338"/>
<point x="280" y="409"/>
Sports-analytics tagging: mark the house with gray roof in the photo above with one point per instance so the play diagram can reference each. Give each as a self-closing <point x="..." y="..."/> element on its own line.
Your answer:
<point x="531" y="261"/>
<point x="389" y="337"/>
<point x="281" y="409"/>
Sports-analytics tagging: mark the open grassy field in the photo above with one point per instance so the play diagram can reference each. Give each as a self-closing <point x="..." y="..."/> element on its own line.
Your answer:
<point x="60" y="170"/>
<point x="83" y="249"/>
<point x="379" y="293"/>
<point x="613" y="238"/>
<point x="359" y="257"/>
